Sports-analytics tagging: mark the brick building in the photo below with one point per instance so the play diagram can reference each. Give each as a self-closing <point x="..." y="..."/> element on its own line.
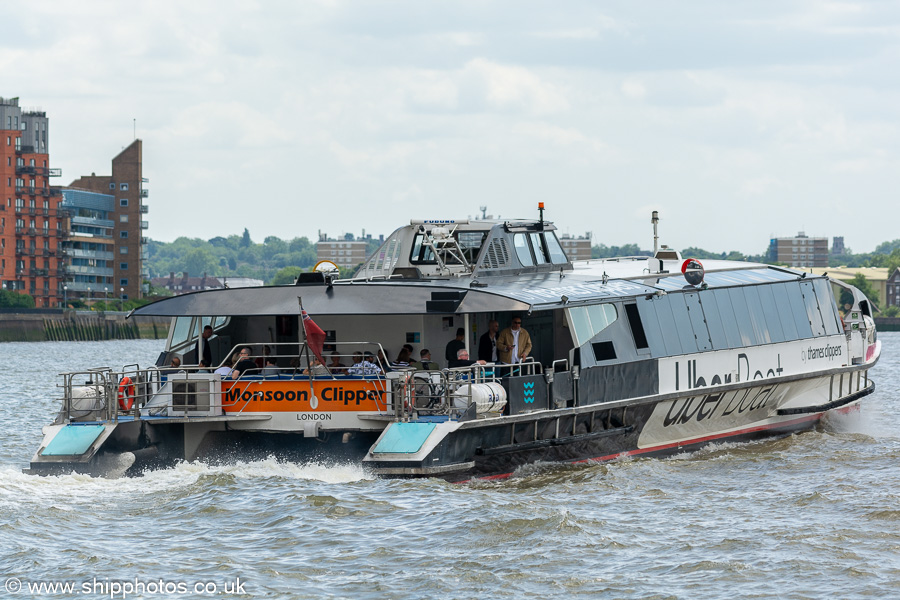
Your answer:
<point x="30" y="223"/>
<point x="125" y="185"/>
<point x="799" y="251"/>
<point x="347" y="252"/>
<point x="577" y="248"/>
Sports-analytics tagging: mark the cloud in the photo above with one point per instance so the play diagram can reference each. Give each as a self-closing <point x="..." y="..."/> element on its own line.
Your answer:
<point x="733" y="112"/>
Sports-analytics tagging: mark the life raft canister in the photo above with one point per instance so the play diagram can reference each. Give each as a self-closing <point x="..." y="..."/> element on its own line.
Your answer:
<point x="126" y="393"/>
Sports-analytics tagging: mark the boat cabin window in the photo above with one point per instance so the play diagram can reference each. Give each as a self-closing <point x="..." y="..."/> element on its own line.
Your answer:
<point x="540" y="252"/>
<point x="187" y="329"/>
<point x="557" y="255"/>
<point x="523" y="250"/>
<point x="539" y="248"/>
<point x="469" y="241"/>
<point x="182" y="331"/>
<point x="588" y="321"/>
<point x="737" y="317"/>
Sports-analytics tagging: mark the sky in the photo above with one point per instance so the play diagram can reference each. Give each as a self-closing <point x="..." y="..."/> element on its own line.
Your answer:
<point x="737" y="121"/>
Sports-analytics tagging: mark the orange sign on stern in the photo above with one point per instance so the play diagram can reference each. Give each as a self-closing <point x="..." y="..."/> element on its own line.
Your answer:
<point x="351" y="395"/>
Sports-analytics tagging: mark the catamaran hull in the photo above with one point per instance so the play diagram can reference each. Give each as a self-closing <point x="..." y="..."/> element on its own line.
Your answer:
<point x="495" y="448"/>
<point x="133" y="447"/>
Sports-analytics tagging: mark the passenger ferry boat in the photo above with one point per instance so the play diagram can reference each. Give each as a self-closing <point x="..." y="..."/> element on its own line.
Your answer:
<point x="631" y="357"/>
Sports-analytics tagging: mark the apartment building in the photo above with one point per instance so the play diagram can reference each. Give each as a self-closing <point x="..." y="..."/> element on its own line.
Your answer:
<point x="577" y="248"/>
<point x="31" y="259"/>
<point x="126" y="186"/>
<point x="800" y="251"/>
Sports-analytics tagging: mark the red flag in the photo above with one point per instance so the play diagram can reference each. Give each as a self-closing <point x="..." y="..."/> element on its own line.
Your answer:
<point x="315" y="337"/>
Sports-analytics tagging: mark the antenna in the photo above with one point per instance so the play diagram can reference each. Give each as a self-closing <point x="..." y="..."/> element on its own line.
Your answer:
<point x="655" y="220"/>
<point x="483" y="210"/>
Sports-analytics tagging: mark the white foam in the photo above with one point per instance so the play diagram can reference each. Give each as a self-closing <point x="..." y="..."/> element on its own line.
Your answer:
<point x="16" y="486"/>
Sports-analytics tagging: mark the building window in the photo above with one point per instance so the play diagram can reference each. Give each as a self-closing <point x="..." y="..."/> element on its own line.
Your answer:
<point x="123" y="249"/>
<point x="123" y="266"/>
<point x="112" y="186"/>
<point x="123" y="201"/>
<point x="123" y="187"/>
<point x="123" y="282"/>
<point x="123" y="218"/>
<point x="123" y="234"/>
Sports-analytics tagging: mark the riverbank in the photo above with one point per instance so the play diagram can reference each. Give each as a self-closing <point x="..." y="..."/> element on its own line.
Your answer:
<point x="52" y="324"/>
<point x="887" y="323"/>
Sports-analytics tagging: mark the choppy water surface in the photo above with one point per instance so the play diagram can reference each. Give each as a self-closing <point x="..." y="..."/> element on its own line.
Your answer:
<point x="814" y="515"/>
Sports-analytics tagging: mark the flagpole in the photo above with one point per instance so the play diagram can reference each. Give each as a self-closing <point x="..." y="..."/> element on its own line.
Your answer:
<point x="306" y="341"/>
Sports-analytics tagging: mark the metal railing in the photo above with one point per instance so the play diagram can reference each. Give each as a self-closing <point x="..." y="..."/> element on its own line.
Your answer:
<point x="190" y="390"/>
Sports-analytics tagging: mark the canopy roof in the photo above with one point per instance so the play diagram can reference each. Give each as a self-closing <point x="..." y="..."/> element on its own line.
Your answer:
<point x="544" y="291"/>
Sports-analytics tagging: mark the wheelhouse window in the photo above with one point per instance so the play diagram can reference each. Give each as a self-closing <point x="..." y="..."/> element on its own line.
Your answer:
<point x="523" y="249"/>
<point x="557" y="255"/>
<point x="537" y="246"/>
<point x="470" y="243"/>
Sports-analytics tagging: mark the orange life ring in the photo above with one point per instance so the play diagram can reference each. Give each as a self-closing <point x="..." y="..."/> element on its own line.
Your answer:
<point x="126" y="393"/>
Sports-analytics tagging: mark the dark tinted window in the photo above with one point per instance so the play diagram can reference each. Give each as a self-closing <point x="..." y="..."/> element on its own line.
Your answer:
<point x="647" y="311"/>
<point x="604" y="351"/>
<point x="637" y="328"/>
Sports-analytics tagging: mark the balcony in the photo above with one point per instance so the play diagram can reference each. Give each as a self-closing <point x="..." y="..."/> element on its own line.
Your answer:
<point x="145" y="209"/>
<point x="23" y="149"/>
<point x="39" y="272"/>
<point x="84" y="270"/>
<point x="145" y="193"/>
<point x="21" y="230"/>
<point x="145" y="224"/>
<point x="77" y="253"/>
<point x="25" y="170"/>
<point x="26" y="189"/>
<point x="54" y="172"/>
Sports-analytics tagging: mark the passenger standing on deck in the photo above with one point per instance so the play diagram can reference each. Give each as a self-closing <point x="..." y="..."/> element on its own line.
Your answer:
<point x="455" y="345"/>
<point x="204" y="352"/>
<point x="513" y="343"/>
<point x="487" y="345"/>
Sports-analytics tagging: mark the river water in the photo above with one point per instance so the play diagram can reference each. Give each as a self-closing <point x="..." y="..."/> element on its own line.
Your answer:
<point x="814" y="515"/>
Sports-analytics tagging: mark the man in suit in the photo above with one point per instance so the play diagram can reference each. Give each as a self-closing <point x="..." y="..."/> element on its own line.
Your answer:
<point x="513" y="343"/>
